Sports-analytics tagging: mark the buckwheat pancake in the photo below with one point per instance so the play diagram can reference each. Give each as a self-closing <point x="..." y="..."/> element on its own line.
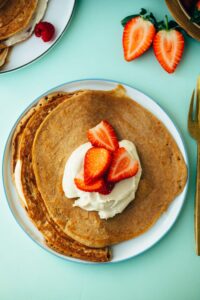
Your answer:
<point x="26" y="32"/>
<point x="22" y="143"/>
<point x="16" y="140"/>
<point x="15" y="15"/>
<point x="64" y="129"/>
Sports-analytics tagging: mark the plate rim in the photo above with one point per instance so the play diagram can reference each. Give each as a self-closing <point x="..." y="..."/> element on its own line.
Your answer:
<point x="49" y="49"/>
<point x="76" y="260"/>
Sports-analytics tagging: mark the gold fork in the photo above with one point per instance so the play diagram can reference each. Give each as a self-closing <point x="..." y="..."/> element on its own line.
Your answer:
<point x="194" y="130"/>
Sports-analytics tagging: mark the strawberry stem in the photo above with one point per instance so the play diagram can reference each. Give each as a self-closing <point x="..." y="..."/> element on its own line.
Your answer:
<point x="166" y="22"/>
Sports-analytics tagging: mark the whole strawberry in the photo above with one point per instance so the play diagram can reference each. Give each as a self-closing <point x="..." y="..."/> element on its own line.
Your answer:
<point x="139" y="31"/>
<point x="168" y="45"/>
<point x="45" y="30"/>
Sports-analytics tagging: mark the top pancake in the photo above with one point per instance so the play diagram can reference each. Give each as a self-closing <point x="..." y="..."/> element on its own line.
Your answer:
<point x="164" y="170"/>
<point x="15" y="15"/>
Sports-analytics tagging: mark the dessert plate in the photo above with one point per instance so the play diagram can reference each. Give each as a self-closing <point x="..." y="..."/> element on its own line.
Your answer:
<point x="34" y="48"/>
<point x="126" y="249"/>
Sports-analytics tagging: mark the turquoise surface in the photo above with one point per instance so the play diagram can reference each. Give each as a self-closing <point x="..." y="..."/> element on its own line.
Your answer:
<point x="91" y="48"/>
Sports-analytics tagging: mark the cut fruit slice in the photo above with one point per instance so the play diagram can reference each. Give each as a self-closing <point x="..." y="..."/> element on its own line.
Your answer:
<point x="103" y="135"/>
<point x="137" y="37"/>
<point x="96" y="186"/>
<point x="123" y="166"/>
<point x="96" y="163"/>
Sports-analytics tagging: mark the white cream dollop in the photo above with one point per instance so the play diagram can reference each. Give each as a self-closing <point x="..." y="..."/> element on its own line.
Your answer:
<point x="109" y="205"/>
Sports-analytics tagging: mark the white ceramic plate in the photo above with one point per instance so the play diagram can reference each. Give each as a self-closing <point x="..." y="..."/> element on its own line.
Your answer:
<point x="123" y="250"/>
<point x="33" y="48"/>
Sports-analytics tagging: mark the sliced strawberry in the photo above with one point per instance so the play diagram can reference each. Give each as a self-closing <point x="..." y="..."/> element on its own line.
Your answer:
<point x="168" y="46"/>
<point x="107" y="188"/>
<point x="137" y="37"/>
<point x="96" y="163"/>
<point x="123" y="166"/>
<point x="96" y="186"/>
<point x="103" y="135"/>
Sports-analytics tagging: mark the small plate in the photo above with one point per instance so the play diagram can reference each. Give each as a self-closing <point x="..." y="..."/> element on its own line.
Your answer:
<point x="126" y="249"/>
<point x="34" y="48"/>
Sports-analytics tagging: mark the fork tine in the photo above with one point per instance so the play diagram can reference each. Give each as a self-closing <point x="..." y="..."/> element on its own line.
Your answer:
<point x="198" y="83"/>
<point x="198" y="100"/>
<point x="198" y="97"/>
<point x="190" y="113"/>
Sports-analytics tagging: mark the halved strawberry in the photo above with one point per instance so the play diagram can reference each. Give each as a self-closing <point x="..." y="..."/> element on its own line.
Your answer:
<point x="96" y="163"/>
<point x="96" y="186"/>
<point x="103" y="135"/>
<point x="139" y="31"/>
<point x="123" y="166"/>
<point x="168" y="46"/>
<point x="137" y="37"/>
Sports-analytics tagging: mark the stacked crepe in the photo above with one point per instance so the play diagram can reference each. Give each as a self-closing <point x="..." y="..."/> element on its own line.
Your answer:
<point x="42" y="143"/>
<point x="17" y="22"/>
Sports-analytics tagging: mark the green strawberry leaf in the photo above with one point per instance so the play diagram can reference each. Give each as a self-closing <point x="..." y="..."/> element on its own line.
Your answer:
<point x="125" y="20"/>
<point x="143" y="14"/>
<point x="143" y="11"/>
<point x="167" y="25"/>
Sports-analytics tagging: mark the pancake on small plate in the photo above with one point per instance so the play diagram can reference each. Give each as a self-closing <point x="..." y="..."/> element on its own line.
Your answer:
<point x="42" y="144"/>
<point x="18" y="19"/>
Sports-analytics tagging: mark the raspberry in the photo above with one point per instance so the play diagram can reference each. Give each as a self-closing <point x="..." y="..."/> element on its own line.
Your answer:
<point x="45" y="30"/>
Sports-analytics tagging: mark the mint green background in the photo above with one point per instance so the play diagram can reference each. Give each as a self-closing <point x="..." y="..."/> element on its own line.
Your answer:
<point x="91" y="48"/>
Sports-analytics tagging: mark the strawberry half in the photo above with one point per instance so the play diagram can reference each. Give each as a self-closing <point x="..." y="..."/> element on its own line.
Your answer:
<point x="139" y="31"/>
<point x="168" y="45"/>
<point x="96" y="186"/>
<point x="103" y="135"/>
<point x="123" y="166"/>
<point x="96" y="163"/>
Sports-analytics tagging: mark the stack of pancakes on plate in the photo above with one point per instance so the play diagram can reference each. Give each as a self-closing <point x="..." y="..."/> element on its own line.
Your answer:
<point x="44" y="139"/>
<point x="17" y="22"/>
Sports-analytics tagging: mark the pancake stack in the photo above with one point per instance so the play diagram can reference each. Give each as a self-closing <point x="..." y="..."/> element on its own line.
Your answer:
<point x="45" y="138"/>
<point x="17" y="22"/>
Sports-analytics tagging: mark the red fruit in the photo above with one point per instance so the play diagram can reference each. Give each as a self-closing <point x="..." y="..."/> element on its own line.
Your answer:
<point x="103" y="135"/>
<point x="107" y="188"/>
<point x="96" y="163"/>
<point x="168" y="48"/>
<point x="137" y="37"/>
<point x="45" y="30"/>
<point x="198" y="5"/>
<point x="123" y="166"/>
<point x="96" y="186"/>
<point x="168" y="45"/>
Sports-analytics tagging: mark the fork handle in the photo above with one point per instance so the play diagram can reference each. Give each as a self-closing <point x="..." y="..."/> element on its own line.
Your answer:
<point x="197" y="203"/>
